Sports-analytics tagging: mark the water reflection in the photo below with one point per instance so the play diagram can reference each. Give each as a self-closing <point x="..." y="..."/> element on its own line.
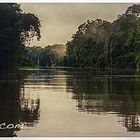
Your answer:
<point x="103" y="93"/>
<point x="94" y="92"/>
<point x="30" y="112"/>
<point x="15" y="108"/>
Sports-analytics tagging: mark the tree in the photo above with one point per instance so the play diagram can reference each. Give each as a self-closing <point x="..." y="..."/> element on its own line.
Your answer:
<point x="51" y="55"/>
<point x="87" y="44"/>
<point x="17" y="28"/>
<point x="101" y="44"/>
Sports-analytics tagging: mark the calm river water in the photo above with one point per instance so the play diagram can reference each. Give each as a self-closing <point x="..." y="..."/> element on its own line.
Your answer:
<point x="70" y="102"/>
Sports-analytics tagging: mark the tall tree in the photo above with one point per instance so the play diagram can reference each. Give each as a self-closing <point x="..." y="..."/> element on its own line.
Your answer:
<point x="101" y="44"/>
<point x="17" y="28"/>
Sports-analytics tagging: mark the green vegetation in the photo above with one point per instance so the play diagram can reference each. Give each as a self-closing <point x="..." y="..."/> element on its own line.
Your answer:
<point x="49" y="56"/>
<point x="96" y="44"/>
<point x="101" y="44"/>
<point x="17" y="29"/>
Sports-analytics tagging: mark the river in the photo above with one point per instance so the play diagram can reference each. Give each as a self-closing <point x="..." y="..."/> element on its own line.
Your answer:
<point x="71" y="102"/>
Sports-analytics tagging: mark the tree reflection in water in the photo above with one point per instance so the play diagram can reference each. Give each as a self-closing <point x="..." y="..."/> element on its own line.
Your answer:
<point x="14" y="108"/>
<point x="30" y="112"/>
<point x="108" y="93"/>
<point x="100" y="92"/>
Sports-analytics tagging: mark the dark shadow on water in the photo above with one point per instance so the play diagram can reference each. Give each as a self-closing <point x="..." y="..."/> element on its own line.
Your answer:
<point x="15" y="108"/>
<point x="95" y="92"/>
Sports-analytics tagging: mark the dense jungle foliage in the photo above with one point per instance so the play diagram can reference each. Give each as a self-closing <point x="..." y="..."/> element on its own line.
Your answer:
<point x="102" y="44"/>
<point x="17" y="29"/>
<point x="96" y="44"/>
<point x="50" y="56"/>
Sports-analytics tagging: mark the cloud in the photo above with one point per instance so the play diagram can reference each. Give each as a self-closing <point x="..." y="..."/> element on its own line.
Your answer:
<point x="60" y="21"/>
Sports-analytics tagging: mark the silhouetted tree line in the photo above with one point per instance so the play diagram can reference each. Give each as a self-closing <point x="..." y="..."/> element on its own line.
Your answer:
<point x="17" y="29"/>
<point x="102" y="44"/>
<point x="97" y="43"/>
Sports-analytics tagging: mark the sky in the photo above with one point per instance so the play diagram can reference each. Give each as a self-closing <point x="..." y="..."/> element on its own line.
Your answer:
<point x="59" y="21"/>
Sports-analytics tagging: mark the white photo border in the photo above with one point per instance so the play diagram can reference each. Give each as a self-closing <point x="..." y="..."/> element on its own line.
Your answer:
<point x="70" y="1"/>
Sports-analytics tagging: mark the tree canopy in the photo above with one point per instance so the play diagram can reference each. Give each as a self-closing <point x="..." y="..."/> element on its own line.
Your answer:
<point x="17" y="29"/>
<point x="51" y="55"/>
<point x="102" y="44"/>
